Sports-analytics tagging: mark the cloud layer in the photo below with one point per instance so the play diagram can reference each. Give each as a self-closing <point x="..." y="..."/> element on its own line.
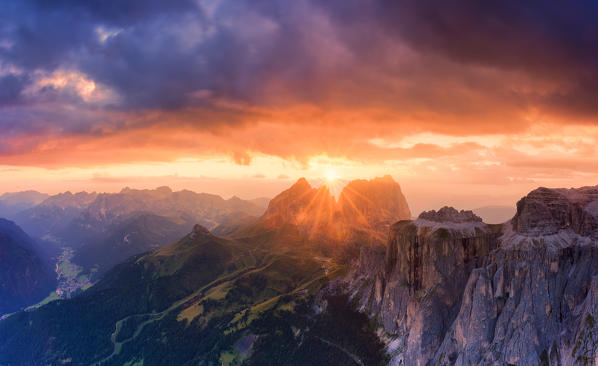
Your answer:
<point x="107" y="82"/>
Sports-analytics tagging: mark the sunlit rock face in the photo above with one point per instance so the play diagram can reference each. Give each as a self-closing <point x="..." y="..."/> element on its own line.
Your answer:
<point x="300" y="205"/>
<point x="455" y="291"/>
<point x="375" y="203"/>
<point x="363" y="207"/>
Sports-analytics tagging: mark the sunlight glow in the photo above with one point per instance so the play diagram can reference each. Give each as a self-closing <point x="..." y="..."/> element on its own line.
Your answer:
<point x="331" y="176"/>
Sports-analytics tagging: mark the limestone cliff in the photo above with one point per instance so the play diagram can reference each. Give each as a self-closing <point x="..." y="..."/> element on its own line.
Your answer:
<point x="452" y="290"/>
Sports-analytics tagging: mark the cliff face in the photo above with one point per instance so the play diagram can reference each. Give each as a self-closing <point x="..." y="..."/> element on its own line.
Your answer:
<point x="451" y="290"/>
<point x="547" y="211"/>
<point x="415" y="286"/>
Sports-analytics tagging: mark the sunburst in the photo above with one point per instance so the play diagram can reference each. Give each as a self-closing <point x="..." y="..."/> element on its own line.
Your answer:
<point x="331" y="176"/>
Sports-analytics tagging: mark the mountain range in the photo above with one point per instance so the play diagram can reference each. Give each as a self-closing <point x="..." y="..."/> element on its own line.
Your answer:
<point x="85" y="234"/>
<point x="18" y="201"/>
<point x="289" y="288"/>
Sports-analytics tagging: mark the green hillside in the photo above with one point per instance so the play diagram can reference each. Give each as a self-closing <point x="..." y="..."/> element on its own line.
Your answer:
<point x="202" y="300"/>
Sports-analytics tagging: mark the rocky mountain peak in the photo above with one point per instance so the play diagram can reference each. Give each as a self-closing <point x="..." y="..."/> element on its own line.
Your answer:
<point x="450" y="214"/>
<point x="199" y="230"/>
<point x="300" y="187"/>
<point x="300" y="205"/>
<point x="546" y="211"/>
<point x="370" y="205"/>
<point x="376" y="202"/>
<point x="68" y="199"/>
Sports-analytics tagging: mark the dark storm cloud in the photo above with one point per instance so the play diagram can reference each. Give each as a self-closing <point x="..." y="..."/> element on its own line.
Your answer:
<point x="11" y="87"/>
<point x="554" y="40"/>
<point x="217" y="56"/>
<point x="538" y="36"/>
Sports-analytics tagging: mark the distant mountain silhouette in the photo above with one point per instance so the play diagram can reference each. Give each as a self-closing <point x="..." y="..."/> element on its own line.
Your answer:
<point x="13" y="202"/>
<point x="95" y="231"/>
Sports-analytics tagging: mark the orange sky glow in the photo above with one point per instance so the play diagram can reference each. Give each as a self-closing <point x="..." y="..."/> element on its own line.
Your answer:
<point x="209" y="100"/>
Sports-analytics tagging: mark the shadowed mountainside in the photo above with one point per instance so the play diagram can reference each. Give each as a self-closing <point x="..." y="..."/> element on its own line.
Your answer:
<point x="13" y="202"/>
<point x="210" y="300"/>
<point x="24" y="278"/>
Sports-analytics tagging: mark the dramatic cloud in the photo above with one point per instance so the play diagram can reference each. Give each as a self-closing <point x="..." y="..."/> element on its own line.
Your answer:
<point x="87" y="83"/>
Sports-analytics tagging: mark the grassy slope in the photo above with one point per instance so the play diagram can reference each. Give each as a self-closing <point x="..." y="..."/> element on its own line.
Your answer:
<point x="189" y="302"/>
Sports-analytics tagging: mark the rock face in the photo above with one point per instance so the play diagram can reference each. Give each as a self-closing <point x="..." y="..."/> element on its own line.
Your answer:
<point x="363" y="206"/>
<point x="303" y="206"/>
<point x="24" y="278"/>
<point x="415" y="288"/>
<point x="547" y="211"/>
<point x="455" y="291"/>
<point x="376" y="203"/>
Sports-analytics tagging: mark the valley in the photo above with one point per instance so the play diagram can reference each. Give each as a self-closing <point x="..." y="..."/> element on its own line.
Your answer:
<point x="445" y="289"/>
<point x="71" y="278"/>
<point x="298" y="183"/>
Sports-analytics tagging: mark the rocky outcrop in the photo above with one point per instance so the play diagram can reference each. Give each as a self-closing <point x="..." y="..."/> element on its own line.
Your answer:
<point x="524" y="308"/>
<point x="198" y="231"/>
<point x="303" y="206"/>
<point x="447" y="215"/>
<point x="375" y="203"/>
<point x="417" y="289"/>
<point x="451" y="290"/>
<point x="547" y="211"/>
<point x="365" y="210"/>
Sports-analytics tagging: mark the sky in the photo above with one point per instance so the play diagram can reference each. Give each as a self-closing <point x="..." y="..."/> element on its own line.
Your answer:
<point x="464" y="103"/>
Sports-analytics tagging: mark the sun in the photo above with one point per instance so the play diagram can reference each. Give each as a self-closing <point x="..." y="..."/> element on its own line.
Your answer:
<point x="331" y="176"/>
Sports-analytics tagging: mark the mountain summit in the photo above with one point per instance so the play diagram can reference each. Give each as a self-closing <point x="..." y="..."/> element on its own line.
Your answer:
<point x="547" y="211"/>
<point x="363" y="205"/>
<point x="376" y="203"/>
<point x="300" y="205"/>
